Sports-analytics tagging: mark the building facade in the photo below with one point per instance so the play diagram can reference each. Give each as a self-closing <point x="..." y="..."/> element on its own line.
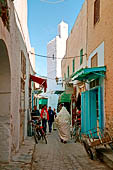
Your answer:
<point x="100" y="31"/>
<point x="91" y="72"/>
<point x="72" y="62"/>
<point x="15" y="68"/>
<point x="56" y="49"/>
<point x="76" y="43"/>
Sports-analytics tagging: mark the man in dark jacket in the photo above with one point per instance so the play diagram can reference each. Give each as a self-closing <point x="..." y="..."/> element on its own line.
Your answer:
<point x="51" y="118"/>
<point x="35" y="113"/>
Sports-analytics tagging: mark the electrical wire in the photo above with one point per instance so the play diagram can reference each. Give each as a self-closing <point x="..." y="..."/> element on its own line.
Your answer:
<point x="48" y="77"/>
<point x="39" y="54"/>
<point x="44" y="56"/>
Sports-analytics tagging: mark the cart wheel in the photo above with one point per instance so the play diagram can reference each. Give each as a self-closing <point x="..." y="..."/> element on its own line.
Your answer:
<point x="88" y="150"/>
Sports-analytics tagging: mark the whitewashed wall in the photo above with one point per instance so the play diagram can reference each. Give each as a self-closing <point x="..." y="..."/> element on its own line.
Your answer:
<point x="56" y="47"/>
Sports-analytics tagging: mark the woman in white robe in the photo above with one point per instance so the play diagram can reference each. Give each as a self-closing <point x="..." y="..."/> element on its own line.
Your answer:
<point x="63" y="120"/>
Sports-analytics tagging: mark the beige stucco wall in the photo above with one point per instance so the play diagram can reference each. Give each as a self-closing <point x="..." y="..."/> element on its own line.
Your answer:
<point x="32" y="58"/>
<point x="75" y="42"/>
<point x="94" y="38"/>
<point x="15" y="44"/>
<point x="21" y="19"/>
<point x="5" y="94"/>
<point x="103" y="32"/>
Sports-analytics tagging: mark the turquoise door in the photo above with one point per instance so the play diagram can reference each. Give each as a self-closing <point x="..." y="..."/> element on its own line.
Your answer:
<point x="91" y="111"/>
<point x="85" y="117"/>
<point x="100" y="108"/>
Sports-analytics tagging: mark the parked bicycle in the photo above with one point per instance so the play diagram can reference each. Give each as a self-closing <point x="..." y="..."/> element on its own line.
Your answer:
<point x="76" y="131"/>
<point x="38" y="131"/>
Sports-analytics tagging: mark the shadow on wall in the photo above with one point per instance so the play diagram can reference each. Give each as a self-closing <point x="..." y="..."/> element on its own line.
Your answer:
<point x="5" y="101"/>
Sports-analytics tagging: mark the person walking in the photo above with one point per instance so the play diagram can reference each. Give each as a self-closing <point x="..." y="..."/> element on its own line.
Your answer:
<point x="51" y="118"/>
<point x="63" y="121"/>
<point x="45" y="116"/>
<point x="35" y="113"/>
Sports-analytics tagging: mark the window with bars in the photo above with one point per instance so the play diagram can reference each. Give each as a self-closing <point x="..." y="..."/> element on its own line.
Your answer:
<point x="73" y="65"/>
<point x="81" y="56"/>
<point x="94" y="83"/>
<point x="94" y="61"/>
<point x="96" y="11"/>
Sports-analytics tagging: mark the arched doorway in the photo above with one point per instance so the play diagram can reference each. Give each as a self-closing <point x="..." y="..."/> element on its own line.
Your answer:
<point x="5" y="102"/>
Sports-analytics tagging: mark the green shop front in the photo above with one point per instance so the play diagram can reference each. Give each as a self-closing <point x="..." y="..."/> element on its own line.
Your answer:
<point x="42" y="102"/>
<point x="66" y="100"/>
<point x="92" y="100"/>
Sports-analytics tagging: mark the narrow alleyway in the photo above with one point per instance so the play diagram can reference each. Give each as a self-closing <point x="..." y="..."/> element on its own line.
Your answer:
<point x="59" y="156"/>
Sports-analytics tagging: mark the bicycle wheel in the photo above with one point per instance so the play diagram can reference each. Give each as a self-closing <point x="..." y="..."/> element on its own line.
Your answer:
<point x="36" y="139"/>
<point x="38" y="135"/>
<point x="77" y="135"/>
<point x="44" y="136"/>
<point x="88" y="150"/>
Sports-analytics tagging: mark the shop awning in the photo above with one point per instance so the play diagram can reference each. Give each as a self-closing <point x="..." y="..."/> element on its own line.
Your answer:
<point x="43" y="101"/>
<point x="58" y="92"/>
<point x="89" y="74"/>
<point x="64" y="98"/>
<point x="39" y="80"/>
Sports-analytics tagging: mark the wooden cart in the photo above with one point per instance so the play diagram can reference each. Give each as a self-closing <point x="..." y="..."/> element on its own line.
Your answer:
<point x="95" y="138"/>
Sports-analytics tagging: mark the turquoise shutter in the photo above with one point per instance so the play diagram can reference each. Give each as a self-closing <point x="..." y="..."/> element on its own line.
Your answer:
<point x="100" y="107"/>
<point x="73" y="65"/>
<point x="64" y="76"/>
<point x="88" y="113"/>
<point x="68" y="71"/>
<point x="81" y="56"/>
<point x="85" y="117"/>
<point x="93" y="113"/>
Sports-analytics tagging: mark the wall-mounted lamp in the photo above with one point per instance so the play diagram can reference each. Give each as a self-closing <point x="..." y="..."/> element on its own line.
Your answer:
<point x="56" y="79"/>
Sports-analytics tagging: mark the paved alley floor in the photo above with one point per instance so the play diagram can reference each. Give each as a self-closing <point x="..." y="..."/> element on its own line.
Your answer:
<point x="58" y="156"/>
<point x="22" y="160"/>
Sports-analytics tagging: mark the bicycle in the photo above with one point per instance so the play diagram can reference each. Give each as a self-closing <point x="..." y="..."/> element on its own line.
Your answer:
<point x="76" y="131"/>
<point x="39" y="132"/>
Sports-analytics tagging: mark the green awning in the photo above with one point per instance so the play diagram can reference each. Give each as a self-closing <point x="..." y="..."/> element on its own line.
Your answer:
<point x="43" y="101"/>
<point x="64" y="98"/>
<point x="37" y="91"/>
<point x="58" y="92"/>
<point x="85" y="74"/>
